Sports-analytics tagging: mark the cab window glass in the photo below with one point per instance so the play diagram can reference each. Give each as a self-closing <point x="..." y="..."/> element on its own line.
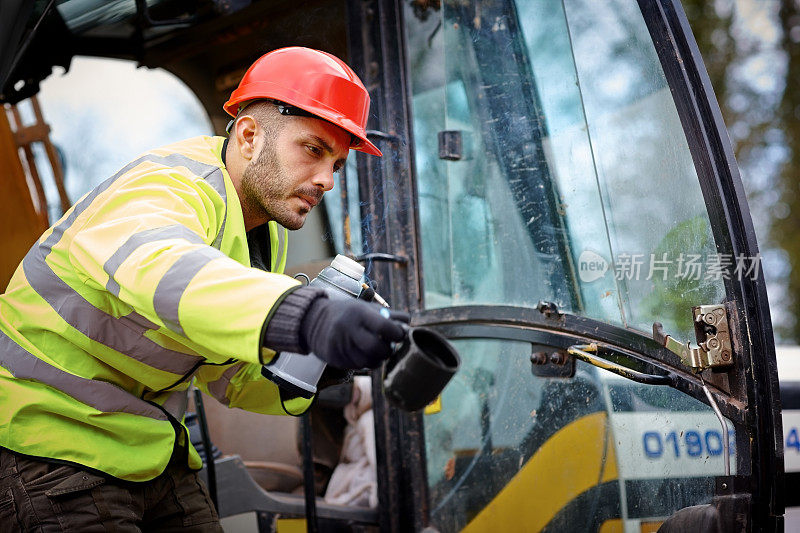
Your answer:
<point x="551" y="165"/>
<point x="579" y="452"/>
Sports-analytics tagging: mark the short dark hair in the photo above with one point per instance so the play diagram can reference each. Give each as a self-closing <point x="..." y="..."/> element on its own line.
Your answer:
<point x="266" y="114"/>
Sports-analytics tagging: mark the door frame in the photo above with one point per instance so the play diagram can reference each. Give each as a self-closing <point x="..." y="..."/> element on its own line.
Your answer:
<point x="389" y="198"/>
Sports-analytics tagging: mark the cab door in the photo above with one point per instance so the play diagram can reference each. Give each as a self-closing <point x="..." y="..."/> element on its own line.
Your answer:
<point x="558" y="196"/>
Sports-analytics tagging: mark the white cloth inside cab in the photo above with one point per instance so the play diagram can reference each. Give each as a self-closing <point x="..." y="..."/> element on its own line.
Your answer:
<point x="354" y="480"/>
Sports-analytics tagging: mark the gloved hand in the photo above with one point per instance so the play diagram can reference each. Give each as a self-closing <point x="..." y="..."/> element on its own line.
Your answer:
<point x="350" y="333"/>
<point x="369" y="291"/>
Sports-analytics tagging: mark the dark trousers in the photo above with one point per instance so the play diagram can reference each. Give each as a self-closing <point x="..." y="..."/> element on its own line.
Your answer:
<point x="47" y="497"/>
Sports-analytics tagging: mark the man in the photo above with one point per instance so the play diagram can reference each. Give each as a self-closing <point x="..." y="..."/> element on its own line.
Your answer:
<point x="146" y="285"/>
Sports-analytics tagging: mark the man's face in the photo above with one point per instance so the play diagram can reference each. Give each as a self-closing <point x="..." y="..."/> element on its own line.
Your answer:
<point x="294" y="169"/>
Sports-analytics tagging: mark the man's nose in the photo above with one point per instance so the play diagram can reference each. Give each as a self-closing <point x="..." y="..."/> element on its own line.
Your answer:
<point x="324" y="180"/>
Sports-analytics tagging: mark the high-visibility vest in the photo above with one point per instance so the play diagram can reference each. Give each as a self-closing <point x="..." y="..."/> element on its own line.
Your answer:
<point x="142" y="286"/>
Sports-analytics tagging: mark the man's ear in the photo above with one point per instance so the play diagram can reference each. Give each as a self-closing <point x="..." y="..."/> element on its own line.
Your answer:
<point x="246" y="129"/>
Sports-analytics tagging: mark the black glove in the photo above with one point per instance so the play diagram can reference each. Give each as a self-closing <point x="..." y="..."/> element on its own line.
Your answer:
<point x="369" y="291"/>
<point x="350" y="333"/>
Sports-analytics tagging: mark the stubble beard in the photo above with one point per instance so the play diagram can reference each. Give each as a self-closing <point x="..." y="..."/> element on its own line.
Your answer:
<point x="264" y="187"/>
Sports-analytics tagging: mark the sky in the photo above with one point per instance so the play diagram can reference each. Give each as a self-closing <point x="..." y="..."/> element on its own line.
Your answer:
<point x="103" y="113"/>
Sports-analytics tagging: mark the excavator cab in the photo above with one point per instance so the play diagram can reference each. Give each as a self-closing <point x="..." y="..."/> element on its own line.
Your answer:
<point x="558" y="196"/>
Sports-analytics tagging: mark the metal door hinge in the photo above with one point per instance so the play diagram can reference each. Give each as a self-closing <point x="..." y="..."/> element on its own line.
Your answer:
<point x="713" y="339"/>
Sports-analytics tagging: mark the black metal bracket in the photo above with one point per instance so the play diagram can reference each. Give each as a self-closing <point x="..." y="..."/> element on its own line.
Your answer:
<point x="309" y="479"/>
<point x="380" y="256"/>
<point x="548" y="309"/>
<point x="451" y="145"/>
<point x="551" y="362"/>
<point x="207" y="447"/>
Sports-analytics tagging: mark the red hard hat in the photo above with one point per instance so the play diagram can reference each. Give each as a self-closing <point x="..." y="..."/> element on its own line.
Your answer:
<point x="314" y="81"/>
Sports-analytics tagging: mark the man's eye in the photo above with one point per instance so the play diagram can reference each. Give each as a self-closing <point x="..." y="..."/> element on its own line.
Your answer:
<point x="314" y="149"/>
<point x="337" y="168"/>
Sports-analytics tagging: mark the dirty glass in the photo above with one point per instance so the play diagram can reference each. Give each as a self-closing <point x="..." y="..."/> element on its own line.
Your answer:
<point x="342" y="206"/>
<point x="551" y="164"/>
<point x="563" y="454"/>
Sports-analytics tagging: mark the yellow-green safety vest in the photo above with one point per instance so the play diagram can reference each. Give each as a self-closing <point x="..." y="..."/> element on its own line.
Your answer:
<point x="142" y="286"/>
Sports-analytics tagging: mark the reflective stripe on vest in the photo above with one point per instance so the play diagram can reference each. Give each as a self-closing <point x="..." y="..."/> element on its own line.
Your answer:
<point x="176" y="403"/>
<point x="104" y="397"/>
<point x="219" y="387"/>
<point x="136" y="240"/>
<point x="124" y="334"/>
<point x="217" y="180"/>
<point x="173" y="284"/>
